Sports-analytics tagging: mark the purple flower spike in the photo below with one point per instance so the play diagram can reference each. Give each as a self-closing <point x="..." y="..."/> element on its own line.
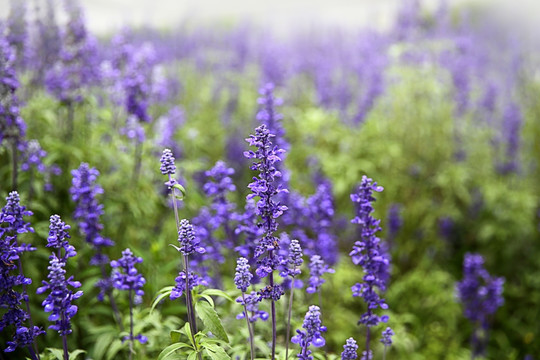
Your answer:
<point x="317" y="269"/>
<point x="369" y="253"/>
<point x="350" y="350"/>
<point x="189" y="243"/>
<point x="481" y="296"/>
<point x="242" y="278"/>
<point x="59" y="300"/>
<point x="312" y="333"/>
<point x="125" y="276"/>
<point x="294" y="260"/>
<point x="58" y="235"/>
<point x="180" y="287"/>
<point x="387" y="336"/>
<point x="167" y="163"/>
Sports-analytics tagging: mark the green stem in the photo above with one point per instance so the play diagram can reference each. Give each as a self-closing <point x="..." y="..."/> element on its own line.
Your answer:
<point x="289" y="321"/>
<point x="251" y="344"/>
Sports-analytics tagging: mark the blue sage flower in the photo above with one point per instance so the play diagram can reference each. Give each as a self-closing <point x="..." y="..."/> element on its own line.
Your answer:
<point x="350" y="350"/>
<point x="312" y="333"/>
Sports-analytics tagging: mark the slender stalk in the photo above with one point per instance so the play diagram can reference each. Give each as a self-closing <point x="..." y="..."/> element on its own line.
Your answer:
<point x="368" y="338"/>
<point x="273" y="307"/>
<point x="251" y="345"/>
<point x="31" y="186"/>
<point x="289" y="321"/>
<point x="130" y="325"/>
<point x="384" y="353"/>
<point x="189" y="303"/>
<point x="15" y="166"/>
<point x="64" y="344"/>
<point x="32" y="353"/>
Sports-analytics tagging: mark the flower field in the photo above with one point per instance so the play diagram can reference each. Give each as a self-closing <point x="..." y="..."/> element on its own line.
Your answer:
<point x="218" y="191"/>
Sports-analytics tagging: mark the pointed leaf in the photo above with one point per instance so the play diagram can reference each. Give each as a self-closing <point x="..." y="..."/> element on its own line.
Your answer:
<point x="217" y="292"/>
<point x="171" y="349"/>
<point x="211" y="320"/>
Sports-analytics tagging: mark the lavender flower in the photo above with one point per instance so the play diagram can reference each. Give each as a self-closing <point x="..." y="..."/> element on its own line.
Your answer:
<point x="312" y="333"/>
<point x="17" y="34"/>
<point x="137" y="82"/>
<point x="387" y="337"/>
<point x="126" y="277"/>
<point x="33" y="157"/>
<point x="367" y="355"/>
<point x="58" y="235"/>
<point x="167" y="163"/>
<point x="189" y="243"/>
<point x="268" y="115"/>
<point x="84" y="191"/>
<point x="266" y="189"/>
<point x="350" y="350"/>
<point x="242" y="278"/>
<point x="166" y="127"/>
<point x="481" y="296"/>
<point x="24" y="337"/>
<point x="88" y="211"/>
<point x="180" y="287"/>
<point x="368" y="253"/>
<point x="317" y="269"/>
<point x="11" y="225"/>
<point x="294" y="260"/>
<point x="12" y="126"/>
<point x="59" y="300"/>
<point x="252" y="305"/>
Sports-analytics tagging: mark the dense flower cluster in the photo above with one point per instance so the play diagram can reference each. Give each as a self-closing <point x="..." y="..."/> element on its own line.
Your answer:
<point x="59" y="300"/>
<point x="84" y="191"/>
<point x="252" y="305"/>
<point x="180" y="287"/>
<point x="242" y="277"/>
<point x="189" y="242"/>
<point x="11" y="225"/>
<point x="58" y="235"/>
<point x="166" y="128"/>
<point x="294" y="260"/>
<point x="12" y="126"/>
<point x="264" y="186"/>
<point x="167" y="163"/>
<point x="317" y="269"/>
<point x="387" y="336"/>
<point x="368" y="253"/>
<point x="480" y="293"/>
<point x="125" y="276"/>
<point x="312" y="333"/>
<point x="350" y="350"/>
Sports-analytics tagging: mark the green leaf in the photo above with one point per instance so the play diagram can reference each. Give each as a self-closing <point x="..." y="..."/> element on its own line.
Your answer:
<point x="57" y="353"/>
<point x="182" y="191"/>
<point x="73" y="355"/>
<point x="114" y="348"/>
<point x="192" y="356"/>
<point x="211" y="320"/>
<point x="208" y="298"/>
<point x="217" y="292"/>
<point x="175" y="335"/>
<point x="217" y="353"/>
<point x="164" y="293"/>
<point x="171" y="349"/>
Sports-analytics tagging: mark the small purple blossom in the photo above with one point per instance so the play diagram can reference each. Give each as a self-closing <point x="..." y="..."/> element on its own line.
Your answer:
<point x="252" y="305"/>
<point x="59" y="300"/>
<point x="294" y="260"/>
<point x="242" y="277"/>
<point x="312" y="333"/>
<point x="387" y="336"/>
<point x="189" y="242"/>
<point x="317" y="269"/>
<point x="350" y="350"/>
<point x="58" y="235"/>
<point x="180" y="287"/>
<point x="125" y="276"/>
<point x="167" y="163"/>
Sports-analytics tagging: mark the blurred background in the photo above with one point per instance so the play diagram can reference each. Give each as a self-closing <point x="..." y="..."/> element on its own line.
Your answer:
<point x="437" y="101"/>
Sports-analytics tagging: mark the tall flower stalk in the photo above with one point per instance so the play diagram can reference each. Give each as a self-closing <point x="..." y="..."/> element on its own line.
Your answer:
<point x="186" y="237"/>
<point x="266" y="188"/>
<point x="293" y="264"/>
<point x="84" y="191"/>
<point x="312" y="333"/>
<point x="12" y="224"/>
<point x="242" y="280"/>
<point x="126" y="277"/>
<point x="368" y="253"/>
<point x="481" y="296"/>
